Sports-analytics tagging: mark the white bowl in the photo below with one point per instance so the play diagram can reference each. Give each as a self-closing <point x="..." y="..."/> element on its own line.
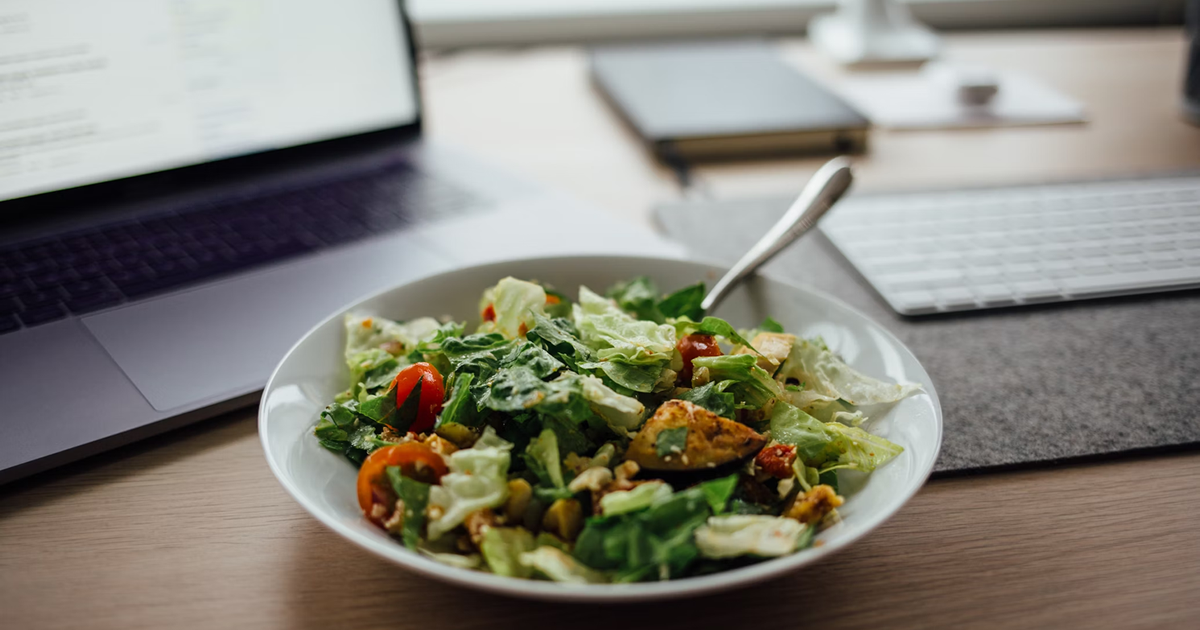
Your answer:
<point x="324" y="483"/>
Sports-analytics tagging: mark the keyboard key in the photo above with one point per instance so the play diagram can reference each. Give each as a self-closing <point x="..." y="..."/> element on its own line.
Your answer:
<point x="42" y="314"/>
<point x="1036" y="290"/>
<point x="914" y="302"/>
<point x="8" y="323"/>
<point x="920" y="280"/>
<point x="995" y="294"/>
<point x="95" y="301"/>
<point x="1113" y="283"/>
<point x="955" y="298"/>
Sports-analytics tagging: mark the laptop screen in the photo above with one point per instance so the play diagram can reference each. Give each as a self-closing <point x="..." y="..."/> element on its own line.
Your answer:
<point x="95" y="90"/>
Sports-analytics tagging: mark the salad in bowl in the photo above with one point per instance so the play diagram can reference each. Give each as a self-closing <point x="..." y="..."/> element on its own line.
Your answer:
<point x="621" y="437"/>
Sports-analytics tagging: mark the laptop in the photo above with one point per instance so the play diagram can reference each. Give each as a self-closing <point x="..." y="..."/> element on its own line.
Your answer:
<point x="186" y="188"/>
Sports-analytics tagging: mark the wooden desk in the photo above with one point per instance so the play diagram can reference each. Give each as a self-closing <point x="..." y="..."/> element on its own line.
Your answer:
<point x="191" y="530"/>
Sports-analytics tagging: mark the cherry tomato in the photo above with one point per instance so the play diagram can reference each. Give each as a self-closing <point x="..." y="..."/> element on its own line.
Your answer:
<point x="777" y="460"/>
<point x="433" y="392"/>
<point x="489" y="313"/>
<point x="690" y="347"/>
<point x="414" y="459"/>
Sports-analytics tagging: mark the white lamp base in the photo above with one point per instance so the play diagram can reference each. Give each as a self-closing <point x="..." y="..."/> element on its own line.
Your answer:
<point x="873" y="31"/>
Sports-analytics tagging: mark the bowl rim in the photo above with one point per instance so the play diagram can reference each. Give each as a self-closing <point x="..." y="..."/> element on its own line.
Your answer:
<point x="553" y="591"/>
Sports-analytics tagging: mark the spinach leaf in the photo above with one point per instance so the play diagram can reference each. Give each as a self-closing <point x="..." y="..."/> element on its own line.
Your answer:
<point x="684" y="302"/>
<point x="718" y="491"/>
<point x="380" y="407"/>
<point x="770" y="325"/>
<point x="637" y="296"/>
<point x="713" y="397"/>
<point x="671" y="441"/>
<point x="830" y="479"/>
<point x="460" y="406"/>
<point x="415" y="496"/>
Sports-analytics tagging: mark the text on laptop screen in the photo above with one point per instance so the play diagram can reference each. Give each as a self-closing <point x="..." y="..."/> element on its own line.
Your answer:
<point x="94" y="90"/>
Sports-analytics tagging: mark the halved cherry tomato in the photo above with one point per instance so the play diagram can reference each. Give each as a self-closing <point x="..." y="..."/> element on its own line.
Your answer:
<point x="433" y="392"/>
<point x="414" y="459"/>
<point x="690" y="347"/>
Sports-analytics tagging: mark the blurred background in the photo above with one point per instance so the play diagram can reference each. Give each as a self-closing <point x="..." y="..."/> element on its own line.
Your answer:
<point x="455" y="23"/>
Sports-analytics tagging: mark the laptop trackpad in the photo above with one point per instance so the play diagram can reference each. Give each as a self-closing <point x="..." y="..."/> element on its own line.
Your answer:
<point x="223" y="340"/>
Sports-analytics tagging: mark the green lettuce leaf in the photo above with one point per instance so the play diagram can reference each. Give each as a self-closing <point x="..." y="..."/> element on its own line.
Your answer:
<point x="560" y="567"/>
<point x="739" y="535"/>
<point x="515" y="303"/>
<point x="640" y="497"/>
<point x="827" y="378"/>
<point x="633" y="353"/>
<point x="478" y="479"/>
<point x="541" y="456"/>
<point x="502" y="548"/>
<point x="365" y="332"/>
<point x="752" y="388"/>
<point x="829" y="445"/>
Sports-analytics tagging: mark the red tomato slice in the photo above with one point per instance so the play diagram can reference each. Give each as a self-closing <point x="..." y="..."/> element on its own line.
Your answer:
<point x="433" y="392"/>
<point x="414" y="459"/>
<point x="690" y="347"/>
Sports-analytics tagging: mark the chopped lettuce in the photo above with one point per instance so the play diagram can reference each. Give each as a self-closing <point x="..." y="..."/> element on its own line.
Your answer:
<point x="621" y="413"/>
<point x="477" y="480"/>
<point x="541" y="456"/>
<point x="738" y="535"/>
<point x="829" y="445"/>
<point x="502" y="548"/>
<point x="861" y="450"/>
<point x="364" y="332"/>
<point x="556" y="565"/>
<point x="639" y="498"/>
<point x="827" y="378"/>
<point x="515" y="304"/>
<point x="753" y="387"/>
<point x="633" y="353"/>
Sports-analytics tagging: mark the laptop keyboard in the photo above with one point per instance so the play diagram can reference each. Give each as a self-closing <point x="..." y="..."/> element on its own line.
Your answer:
<point x="973" y="249"/>
<point x="79" y="272"/>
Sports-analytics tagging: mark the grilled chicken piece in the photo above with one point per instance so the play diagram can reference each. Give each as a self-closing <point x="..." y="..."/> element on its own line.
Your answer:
<point x="774" y="349"/>
<point x="711" y="440"/>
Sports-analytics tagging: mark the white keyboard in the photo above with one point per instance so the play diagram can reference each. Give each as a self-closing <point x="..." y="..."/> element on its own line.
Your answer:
<point x="969" y="249"/>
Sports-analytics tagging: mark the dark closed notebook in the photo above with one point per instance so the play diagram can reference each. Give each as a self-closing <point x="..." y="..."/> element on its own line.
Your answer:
<point x="700" y="100"/>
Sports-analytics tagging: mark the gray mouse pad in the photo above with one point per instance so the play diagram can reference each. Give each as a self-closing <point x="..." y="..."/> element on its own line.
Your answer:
<point x="1017" y="386"/>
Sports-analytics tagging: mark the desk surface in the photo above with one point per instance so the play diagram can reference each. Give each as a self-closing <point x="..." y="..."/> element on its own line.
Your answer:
<point x="190" y="529"/>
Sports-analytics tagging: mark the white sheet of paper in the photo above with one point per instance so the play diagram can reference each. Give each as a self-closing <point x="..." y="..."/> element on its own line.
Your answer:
<point x="919" y="101"/>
